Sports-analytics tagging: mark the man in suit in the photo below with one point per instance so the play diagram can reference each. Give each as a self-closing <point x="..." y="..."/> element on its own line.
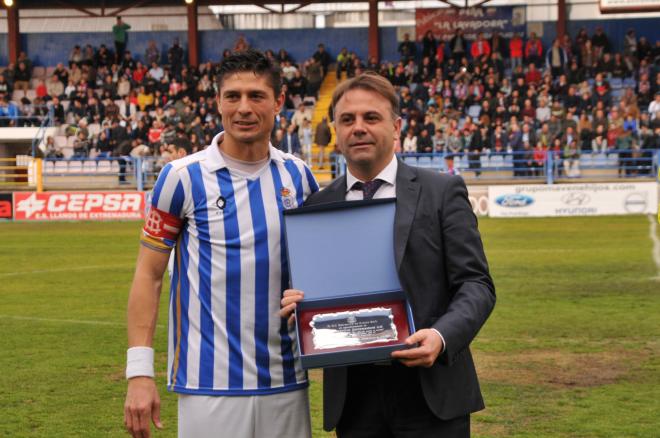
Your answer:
<point x="431" y="388"/>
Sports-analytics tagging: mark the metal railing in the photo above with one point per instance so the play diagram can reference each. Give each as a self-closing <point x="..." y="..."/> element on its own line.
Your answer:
<point x="141" y="172"/>
<point x="522" y="165"/>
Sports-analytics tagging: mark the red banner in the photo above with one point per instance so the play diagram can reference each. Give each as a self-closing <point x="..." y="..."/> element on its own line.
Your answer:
<point x="78" y="205"/>
<point x="5" y="206"/>
<point x="443" y="22"/>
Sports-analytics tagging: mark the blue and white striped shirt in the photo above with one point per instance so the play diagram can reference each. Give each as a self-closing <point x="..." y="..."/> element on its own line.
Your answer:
<point x="226" y="336"/>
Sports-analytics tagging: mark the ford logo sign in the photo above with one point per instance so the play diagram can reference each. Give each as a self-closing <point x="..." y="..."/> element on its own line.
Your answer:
<point x="514" y="201"/>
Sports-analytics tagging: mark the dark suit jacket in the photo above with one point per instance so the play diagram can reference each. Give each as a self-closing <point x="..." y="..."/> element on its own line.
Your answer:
<point x="443" y="271"/>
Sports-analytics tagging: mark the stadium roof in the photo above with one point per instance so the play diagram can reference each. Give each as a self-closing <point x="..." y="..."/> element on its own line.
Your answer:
<point x="114" y="7"/>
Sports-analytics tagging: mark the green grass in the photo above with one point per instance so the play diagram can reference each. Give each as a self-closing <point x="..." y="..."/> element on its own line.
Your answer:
<point x="571" y="350"/>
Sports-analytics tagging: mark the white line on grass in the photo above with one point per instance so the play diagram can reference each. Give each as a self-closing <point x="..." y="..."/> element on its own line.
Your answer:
<point x="67" y="321"/>
<point x="656" y="244"/>
<point x="73" y="268"/>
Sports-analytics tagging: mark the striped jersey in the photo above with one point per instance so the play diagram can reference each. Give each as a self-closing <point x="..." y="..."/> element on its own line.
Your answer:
<point x="225" y="333"/>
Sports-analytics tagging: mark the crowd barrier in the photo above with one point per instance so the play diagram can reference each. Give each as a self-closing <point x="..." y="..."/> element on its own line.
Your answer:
<point x="521" y="165"/>
<point x="106" y="173"/>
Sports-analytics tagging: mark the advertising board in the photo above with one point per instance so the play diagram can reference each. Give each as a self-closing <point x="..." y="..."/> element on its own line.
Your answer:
<point x="78" y="205"/>
<point x="572" y="199"/>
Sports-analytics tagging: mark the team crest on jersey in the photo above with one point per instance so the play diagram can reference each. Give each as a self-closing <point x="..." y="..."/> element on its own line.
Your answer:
<point x="221" y="202"/>
<point x="287" y="199"/>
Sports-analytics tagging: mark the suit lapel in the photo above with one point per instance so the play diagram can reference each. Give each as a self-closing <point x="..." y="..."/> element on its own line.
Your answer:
<point x="407" y="195"/>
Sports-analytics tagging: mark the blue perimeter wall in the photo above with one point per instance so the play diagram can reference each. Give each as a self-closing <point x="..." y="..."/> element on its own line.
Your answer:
<point x="48" y="49"/>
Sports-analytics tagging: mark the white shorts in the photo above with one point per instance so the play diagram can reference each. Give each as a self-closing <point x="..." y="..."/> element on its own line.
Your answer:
<point x="275" y="415"/>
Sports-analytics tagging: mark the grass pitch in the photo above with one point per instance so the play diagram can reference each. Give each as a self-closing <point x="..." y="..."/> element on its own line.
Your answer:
<point x="571" y="350"/>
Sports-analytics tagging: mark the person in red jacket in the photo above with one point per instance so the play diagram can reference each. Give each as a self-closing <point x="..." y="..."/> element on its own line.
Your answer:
<point x="533" y="75"/>
<point x="516" y="51"/>
<point x="533" y="50"/>
<point x="480" y="47"/>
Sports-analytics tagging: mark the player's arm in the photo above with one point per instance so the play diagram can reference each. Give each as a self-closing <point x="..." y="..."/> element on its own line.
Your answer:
<point x="142" y="404"/>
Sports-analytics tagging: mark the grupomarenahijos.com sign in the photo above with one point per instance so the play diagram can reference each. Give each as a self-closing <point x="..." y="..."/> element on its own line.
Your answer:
<point x="573" y="199"/>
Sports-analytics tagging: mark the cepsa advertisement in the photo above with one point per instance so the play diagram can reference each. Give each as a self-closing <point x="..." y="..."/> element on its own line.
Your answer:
<point x="78" y="205"/>
<point x="573" y="199"/>
<point x="5" y="206"/>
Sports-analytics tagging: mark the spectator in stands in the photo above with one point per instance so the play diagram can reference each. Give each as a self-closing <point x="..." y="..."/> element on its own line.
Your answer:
<point x="571" y="159"/>
<point x="323" y="57"/>
<point x="533" y="50"/>
<point x="556" y="59"/>
<point x="410" y="142"/>
<point x="55" y="87"/>
<point x="52" y="151"/>
<point x="600" y="42"/>
<point x="120" y="36"/>
<point x="654" y="106"/>
<point x="76" y="56"/>
<point x="322" y="138"/>
<point x="152" y="54"/>
<point x="533" y="75"/>
<point x="314" y="74"/>
<point x="458" y="45"/>
<point x="80" y="146"/>
<point x="424" y="142"/>
<point x="22" y="78"/>
<point x="625" y="144"/>
<point x="480" y="47"/>
<point x="429" y="45"/>
<point x="5" y="87"/>
<point x="175" y="58"/>
<point x="407" y="49"/>
<point x="8" y="113"/>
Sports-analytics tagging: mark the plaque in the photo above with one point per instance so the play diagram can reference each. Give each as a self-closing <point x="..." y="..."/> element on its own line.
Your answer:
<point x="354" y="310"/>
<point x="353" y="328"/>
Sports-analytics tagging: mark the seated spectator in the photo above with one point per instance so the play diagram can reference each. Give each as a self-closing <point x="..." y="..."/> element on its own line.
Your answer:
<point x="410" y="142"/>
<point x="52" y="151"/>
<point x="80" y="146"/>
<point x="599" y="142"/>
<point x="75" y="57"/>
<point x="55" y="87"/>
<point x="9" y="113"/>
<point x="145" y="99"/>
<point x="22" y="78"/>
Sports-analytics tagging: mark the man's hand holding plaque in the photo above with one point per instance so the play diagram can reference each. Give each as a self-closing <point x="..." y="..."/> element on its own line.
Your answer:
<point x="352" y="327"/>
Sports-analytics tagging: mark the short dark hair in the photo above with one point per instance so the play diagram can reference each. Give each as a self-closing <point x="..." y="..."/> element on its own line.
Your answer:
<point x="368" y="81"/>
<point x="251" y="61"/>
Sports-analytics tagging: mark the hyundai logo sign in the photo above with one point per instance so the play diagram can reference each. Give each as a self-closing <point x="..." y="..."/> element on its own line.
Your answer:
<point x="514" y="201"/>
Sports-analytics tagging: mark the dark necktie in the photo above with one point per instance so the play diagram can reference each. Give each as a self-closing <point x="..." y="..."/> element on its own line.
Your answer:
<point x="368" y="188"/>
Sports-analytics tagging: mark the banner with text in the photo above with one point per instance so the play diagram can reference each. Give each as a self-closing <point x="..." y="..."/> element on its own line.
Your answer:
<point x="572" y="199"/>
<point x="478" y="196"/>
<point x="78" y="205"/>
<point x="443" y="22"/>
<point x="6" y="211"/>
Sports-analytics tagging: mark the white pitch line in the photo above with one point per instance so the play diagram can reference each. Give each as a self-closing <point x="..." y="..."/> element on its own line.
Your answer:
<point x="67" y="321"/>
<point x="656" y="243"/>
<point x="69" y="269"/>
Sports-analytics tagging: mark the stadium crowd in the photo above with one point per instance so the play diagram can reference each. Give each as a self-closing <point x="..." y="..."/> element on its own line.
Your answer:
<point x="478" y="98"/>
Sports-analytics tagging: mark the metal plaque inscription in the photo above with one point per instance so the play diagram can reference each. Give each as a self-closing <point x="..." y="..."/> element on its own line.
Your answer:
<point x="353" y="328"/>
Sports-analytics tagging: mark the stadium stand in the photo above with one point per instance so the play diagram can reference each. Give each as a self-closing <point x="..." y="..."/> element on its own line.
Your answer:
<point x="582" y="113"/>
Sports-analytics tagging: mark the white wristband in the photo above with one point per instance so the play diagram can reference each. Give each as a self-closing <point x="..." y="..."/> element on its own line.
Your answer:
<point x="139" y="362"/>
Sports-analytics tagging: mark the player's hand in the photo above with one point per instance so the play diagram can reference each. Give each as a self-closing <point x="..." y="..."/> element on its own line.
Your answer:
<point x="288" y="303"/>
<point x="142" y="407"/>
<point x="424" y="355"/>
